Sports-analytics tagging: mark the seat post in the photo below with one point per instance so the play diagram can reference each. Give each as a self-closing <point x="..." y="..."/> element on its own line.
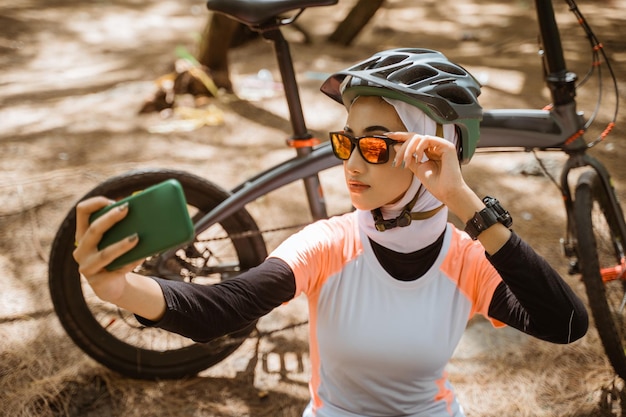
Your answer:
<point x="288" y="76"/>
<point x="312" y="184"/>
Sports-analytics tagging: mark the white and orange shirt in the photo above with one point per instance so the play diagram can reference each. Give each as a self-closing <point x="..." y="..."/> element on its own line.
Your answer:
<point x="379" y="345"/>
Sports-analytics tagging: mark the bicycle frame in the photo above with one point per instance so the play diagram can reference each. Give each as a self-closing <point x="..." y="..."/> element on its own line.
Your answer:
<point x="525" y="129"/>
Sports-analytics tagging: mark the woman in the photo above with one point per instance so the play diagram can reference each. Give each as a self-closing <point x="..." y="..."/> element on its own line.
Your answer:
<point x="392" y="285"/>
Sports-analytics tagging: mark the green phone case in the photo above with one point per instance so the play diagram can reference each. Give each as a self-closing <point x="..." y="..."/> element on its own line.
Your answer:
<point x="157" y="214"/>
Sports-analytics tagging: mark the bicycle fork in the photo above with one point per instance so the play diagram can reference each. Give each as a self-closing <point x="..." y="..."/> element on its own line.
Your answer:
<point x="569" y="245"/>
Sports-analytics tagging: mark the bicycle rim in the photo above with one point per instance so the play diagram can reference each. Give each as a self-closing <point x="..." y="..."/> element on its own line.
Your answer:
<point x="601" y="250"/>
<point x="113" y="336"/>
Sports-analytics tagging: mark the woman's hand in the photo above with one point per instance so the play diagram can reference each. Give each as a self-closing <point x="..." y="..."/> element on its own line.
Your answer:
<point x="137" y="293"/>
<point x="434" y="161"/>
<point x="108" y="285"/>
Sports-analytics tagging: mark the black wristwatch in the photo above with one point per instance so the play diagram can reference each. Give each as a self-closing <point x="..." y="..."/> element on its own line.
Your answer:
<point x="493" y="213"/>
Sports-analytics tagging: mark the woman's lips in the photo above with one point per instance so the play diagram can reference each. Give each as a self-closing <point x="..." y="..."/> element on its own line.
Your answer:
<point x="357" y="186"/>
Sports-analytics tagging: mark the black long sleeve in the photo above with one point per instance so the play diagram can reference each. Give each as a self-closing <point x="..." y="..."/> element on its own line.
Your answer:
<point x="203" y="312"/>
<point x="533" y="297"/>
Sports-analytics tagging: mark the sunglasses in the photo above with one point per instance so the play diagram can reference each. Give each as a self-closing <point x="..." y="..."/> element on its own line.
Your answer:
<point x="373" y="148"/>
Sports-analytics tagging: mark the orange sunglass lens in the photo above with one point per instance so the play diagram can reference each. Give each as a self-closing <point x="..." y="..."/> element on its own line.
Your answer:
<point x="342" y="146"/>
<point x="374" y="150"/>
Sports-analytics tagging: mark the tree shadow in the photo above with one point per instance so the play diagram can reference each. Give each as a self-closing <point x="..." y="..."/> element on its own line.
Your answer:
<point x="57" y="164"/>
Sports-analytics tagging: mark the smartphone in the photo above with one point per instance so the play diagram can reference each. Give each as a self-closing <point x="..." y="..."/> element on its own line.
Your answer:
<point x="157" y="214"/>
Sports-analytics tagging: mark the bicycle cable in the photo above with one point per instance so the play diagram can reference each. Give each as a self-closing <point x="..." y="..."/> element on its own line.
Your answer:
<point x="252" y="233"/>
<point x="598" y="52"/>
<point x="545" y="170"/>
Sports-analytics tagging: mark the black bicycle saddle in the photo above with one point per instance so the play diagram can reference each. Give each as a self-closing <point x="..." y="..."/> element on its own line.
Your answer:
<point x="257" y="12"/>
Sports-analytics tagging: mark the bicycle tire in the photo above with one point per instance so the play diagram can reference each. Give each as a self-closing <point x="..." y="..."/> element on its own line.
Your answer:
<point x="112" y="336"/>
<point x="601" y="245"/>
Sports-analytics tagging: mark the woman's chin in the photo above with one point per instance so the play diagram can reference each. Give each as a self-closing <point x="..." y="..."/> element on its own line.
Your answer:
<point x="361" y="206"/>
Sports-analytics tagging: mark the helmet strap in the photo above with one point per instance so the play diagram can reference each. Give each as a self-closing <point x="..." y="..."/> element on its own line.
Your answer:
<point x="405" y="217"/>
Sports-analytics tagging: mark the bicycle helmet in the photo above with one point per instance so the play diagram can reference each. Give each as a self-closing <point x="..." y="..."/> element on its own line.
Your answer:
<point x="424" y="78"/>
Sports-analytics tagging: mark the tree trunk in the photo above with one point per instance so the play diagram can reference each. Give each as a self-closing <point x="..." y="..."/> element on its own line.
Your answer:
<point x="221" y="34"/>
<point x="358" y="17"/>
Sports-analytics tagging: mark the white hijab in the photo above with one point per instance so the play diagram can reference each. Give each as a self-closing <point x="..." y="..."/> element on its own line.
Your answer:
<point x="420" y="233"/>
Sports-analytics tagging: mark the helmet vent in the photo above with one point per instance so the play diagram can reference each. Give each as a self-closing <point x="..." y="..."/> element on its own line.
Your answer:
<point x="386" y="73"/>
<point x="413" y="75"/>
<point x="450" y="69"/>
<point x="389" y="61"/>
<point x="455" y="94"/>
<point x="365" y="65"/>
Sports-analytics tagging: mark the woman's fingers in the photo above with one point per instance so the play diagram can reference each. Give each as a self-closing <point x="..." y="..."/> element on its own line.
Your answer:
<point x="430" y="148"/>
<point x="85" y="209"/>
<point x="419" y="148"/>
<point x="94" y="261"/>
<point x="94" y="232"/>
<point x="91" y="260"/>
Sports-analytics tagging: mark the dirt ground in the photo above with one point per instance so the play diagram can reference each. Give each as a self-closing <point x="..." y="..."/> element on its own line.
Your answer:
<point x="75" y="74"/>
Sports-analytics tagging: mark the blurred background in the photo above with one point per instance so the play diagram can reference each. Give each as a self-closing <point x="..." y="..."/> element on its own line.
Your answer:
<point x="96" y="88"/>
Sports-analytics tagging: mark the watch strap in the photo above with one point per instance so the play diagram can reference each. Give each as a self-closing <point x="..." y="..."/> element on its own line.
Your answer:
<point x="482" y="220"/>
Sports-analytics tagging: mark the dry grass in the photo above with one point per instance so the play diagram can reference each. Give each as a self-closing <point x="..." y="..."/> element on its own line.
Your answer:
<point x="512" y="376"/>
<point x="72" y="84"/>
<point x="541" y="379"/>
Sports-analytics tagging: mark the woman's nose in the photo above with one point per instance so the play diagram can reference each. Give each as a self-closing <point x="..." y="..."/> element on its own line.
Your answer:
<point x="355" y="163"/>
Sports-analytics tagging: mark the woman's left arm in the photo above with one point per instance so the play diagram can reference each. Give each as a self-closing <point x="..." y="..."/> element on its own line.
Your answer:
<point x="533" y="297"/>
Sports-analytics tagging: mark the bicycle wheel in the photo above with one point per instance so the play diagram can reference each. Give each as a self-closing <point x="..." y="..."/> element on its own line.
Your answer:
<point x="113" y="336"/>
<point x="601" y="257"/>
